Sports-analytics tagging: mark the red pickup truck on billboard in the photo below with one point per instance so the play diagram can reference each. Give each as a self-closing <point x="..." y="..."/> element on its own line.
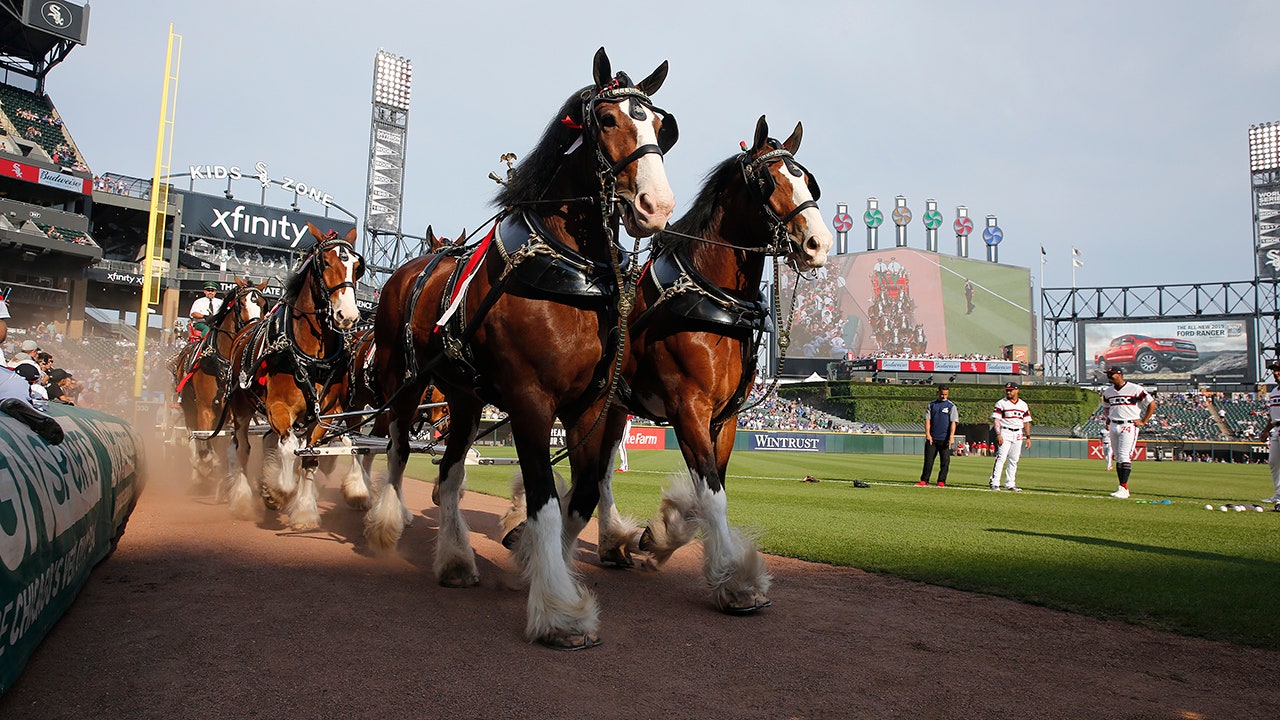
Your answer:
<point x="1148" y="354"/>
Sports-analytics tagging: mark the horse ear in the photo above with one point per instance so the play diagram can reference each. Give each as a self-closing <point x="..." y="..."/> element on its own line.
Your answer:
<point x="601" y="70"/>
<point x="315" y="231"/>
<point x="762" y="133"/>
<point x="433" y="242"/>
<point x="263" y="285"/>
<point x="351" y="236"/>
<point x="650" y="85"/>
<point x="242" y="282"/>
<point x="793" y="143"/>
<point x="461" y="237"/>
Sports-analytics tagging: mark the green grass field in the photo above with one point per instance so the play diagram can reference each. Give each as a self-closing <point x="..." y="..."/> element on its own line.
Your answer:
<point x="1062" y="543"/>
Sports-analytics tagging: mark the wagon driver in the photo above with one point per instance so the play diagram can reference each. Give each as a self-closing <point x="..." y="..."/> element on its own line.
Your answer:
<point x="204" y="307"/>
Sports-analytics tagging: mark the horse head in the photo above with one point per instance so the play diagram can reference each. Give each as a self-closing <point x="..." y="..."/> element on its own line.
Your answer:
<point x="337" y="267"/>
<point x="631" y="137"/>
<point x="607" y="138"/>
<point x="249" y="302"/>
<point x="790" y="195"/>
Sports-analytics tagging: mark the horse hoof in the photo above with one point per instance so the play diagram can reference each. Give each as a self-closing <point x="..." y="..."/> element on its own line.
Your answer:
<point x="747" y="604"/>
<point x="305" y="525"/>
<point x="358" y="503"/>
<point x="646" y="541"/>
<point x="510" y="539"/>
<point x="616" y="558"/>
<point x="464" y="580"/>
<point x="565" y="640"/>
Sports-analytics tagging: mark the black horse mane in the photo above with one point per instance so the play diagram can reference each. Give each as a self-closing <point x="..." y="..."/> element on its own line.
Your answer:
<point x="696" y="221"/>
<point x="216" y="319"/>
<point x="293" y="286"/>
<point x="535" y="172"/>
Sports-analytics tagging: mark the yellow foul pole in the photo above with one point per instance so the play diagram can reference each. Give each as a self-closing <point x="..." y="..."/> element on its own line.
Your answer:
<point x="151" y="263"/>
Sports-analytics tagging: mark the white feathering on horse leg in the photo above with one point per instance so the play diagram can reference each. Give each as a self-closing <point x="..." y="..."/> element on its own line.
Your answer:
<point x="619" y="535"/>
<point x="355" y="486"/>
<point x="455" y="563"/>
<point x="384" y="522"/>
<point x="519" y="511"/>
<point x="304" y="514"/>
<point x="676" y="523"/>
<point x="559" y="606"/>
<point x="731" y="564"/>
<point x="286" y="481"/>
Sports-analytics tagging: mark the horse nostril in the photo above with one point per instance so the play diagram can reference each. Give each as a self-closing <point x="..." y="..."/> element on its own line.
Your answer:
<point x="811" y="244"/>
<point x="644" y="203"/>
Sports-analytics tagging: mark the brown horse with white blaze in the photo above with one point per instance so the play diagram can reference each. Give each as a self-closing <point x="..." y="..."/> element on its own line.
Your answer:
<point x="531" y="329"/>
<point x="290" y="369"/>
<point x="202" y="371"/>
<point x="695" y="330"/>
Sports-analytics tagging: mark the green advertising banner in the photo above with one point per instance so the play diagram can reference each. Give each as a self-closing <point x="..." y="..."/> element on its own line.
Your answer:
<point x="62" y="507"/>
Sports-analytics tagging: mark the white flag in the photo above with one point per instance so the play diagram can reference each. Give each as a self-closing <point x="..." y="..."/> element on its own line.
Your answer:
<point x="1075" y="258"/>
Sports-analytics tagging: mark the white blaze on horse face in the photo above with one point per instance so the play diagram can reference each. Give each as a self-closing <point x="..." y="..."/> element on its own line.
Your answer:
<point x="252" y="309"/>
<point x="653" y="201"/>
<point x="815" y="240"/>
<point x="345" y="312"/>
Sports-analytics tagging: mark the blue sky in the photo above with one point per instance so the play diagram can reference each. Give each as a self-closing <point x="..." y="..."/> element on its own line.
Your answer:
<point x="1119" y="128"/>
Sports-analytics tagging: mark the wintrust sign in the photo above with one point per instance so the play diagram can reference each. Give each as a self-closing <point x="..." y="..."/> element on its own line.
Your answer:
<point x="788" y="442"/>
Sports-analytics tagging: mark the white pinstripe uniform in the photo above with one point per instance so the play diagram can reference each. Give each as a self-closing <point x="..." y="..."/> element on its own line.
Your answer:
<point x="1273" y="443"/>
<point x="1124" y="405"/>
<point x="1011" y="417"/>
<point x="1104" y="436"/>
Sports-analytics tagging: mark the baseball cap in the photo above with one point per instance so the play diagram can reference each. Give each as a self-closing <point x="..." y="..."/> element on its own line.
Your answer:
<point x="1273" y="365"/>
<point x="29" y="345"/>
<point x="211" y="285"/>
<point x="28" y="371"/>
<point x="1011" y="386"/>
<point x="1114" y="370"/>
<point x="57" y="375"/>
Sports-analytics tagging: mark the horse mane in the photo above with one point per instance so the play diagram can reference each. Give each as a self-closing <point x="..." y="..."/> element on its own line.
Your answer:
<point x="698" y="219"/>
<point x="293" y="286"/>
<point x="216" y="319"/>
<point x="534" y="173"/>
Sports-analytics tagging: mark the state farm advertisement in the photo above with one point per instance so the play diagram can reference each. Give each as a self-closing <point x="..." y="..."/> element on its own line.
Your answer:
<point x="647" y="438"/>
<point x="1164" y="350"/>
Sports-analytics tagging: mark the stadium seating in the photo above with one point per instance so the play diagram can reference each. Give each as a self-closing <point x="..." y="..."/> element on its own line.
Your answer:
<point x="29" y="114"/>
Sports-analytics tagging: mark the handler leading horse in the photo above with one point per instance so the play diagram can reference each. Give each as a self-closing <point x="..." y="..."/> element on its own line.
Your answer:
<point x="533" y="333"/>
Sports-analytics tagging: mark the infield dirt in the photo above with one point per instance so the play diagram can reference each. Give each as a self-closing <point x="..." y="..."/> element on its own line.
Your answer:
<point x="198" y="615"/>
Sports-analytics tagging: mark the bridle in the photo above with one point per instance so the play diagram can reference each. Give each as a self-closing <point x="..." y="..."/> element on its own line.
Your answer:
<point x="761" y="184"/>
<point x="321" y="293"/>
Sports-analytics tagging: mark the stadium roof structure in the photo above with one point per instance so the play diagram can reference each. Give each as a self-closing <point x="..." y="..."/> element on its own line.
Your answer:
<point x="32" y="44"/>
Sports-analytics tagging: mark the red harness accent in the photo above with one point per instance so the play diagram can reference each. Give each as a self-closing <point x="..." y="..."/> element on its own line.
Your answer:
<point x="183" y="382"/>
<point x="262" y="374"/>
<point x="472" y="264"/>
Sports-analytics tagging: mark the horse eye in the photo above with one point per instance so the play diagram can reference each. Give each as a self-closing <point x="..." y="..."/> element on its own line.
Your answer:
<point x="608" y="120"/>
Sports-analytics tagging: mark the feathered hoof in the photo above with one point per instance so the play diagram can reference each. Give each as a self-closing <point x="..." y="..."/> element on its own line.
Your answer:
<point x="358" y="502"/>
<point x="269" y="499"/>
<point x="511" y="538"/>
<point x="568" y="640"/>
<point x="305" y="525"/>
<point x="745" y="603"/>
<point x="616" y="558"/>
<point x="459" y="578"/>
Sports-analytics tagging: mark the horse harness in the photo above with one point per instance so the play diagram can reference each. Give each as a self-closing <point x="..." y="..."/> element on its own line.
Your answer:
<point x="273" y="347"/>
<point x="687" y="293"/>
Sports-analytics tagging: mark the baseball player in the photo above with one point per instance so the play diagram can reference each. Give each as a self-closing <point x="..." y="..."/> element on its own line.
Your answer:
<point x="1129" y="407"/>
<point x="1104" y="436"/>
<point x="1011" y="422"/>
<point x="1271" y="433"/>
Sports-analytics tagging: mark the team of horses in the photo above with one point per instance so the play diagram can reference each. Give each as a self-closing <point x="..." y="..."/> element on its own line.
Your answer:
<point x="550" y="319"/>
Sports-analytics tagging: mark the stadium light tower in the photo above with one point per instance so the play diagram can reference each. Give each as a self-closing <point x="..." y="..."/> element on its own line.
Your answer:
<point x="1264" y="179"/>
<point x="388" y="131"/>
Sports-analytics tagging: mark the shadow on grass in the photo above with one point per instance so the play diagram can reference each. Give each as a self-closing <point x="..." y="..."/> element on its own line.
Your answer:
<point x="1136" y="547"/>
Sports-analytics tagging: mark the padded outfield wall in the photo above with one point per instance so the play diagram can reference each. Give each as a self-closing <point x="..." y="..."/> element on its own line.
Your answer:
<point x="904" y="301"/>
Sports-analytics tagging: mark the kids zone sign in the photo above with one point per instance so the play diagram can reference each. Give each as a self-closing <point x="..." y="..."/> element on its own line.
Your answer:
<point x="241" y="222"/>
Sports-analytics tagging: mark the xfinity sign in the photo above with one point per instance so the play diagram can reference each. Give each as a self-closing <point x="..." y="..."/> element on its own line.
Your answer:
<point x="217" y="218"/>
